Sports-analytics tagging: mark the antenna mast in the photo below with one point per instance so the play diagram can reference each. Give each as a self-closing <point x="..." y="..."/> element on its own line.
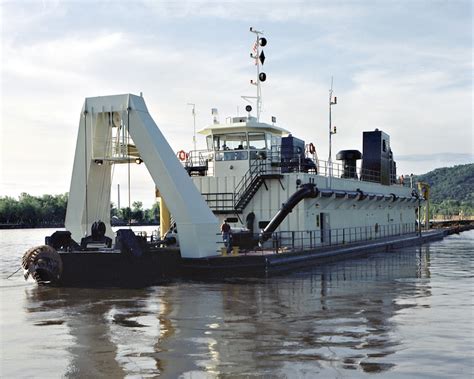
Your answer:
<point x="194" y="124"/>
<point x="331" y="130"/>
<point x="259" y="56"/>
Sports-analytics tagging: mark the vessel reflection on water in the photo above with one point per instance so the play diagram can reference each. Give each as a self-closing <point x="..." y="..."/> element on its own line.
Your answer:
<point x="337" y="316"/>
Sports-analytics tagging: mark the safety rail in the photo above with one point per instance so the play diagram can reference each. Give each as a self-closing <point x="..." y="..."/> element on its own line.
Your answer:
<point x="306" y="162"/>
<point x="271" y="161"/>
<point x="303" y="240"/>
<point x="337" y="170"/>
<point x="199" y="162"/>
<point x="298" y="241"/>
<point x="220" y="202"/>
<point x="249" y="182"/>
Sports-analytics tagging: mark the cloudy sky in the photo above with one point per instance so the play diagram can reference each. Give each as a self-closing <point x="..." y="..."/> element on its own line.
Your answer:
<point x="402" y="66"/>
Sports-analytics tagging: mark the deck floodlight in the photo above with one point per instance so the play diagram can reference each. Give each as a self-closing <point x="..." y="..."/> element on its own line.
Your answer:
<point x="138" y="160"/>
<point x="98" y="162"/>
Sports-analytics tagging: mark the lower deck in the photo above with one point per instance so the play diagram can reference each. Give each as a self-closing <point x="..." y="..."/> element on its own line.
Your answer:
<point x="113" y="269"/>
<point x="269" y="260"/>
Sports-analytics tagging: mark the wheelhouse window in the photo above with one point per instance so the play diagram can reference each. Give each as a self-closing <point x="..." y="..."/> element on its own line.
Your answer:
<point x="209" y="143"/>
<point x="268" y="136"/>
<point x="276" y="142"/>
<point x="232" y="155"/>
<point x="257" y="141"/>
<point x="230" y="141"/>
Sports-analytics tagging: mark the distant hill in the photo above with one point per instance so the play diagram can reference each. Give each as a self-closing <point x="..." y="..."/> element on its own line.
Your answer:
<point x="451" y="183"/>
<point x="452" y="189"/>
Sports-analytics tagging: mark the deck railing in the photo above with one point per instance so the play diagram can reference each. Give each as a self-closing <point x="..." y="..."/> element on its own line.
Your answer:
<point x="299" y="162"/>
<point x="301" y="240"/>
<point x="200" y="160"/>
<point x="220" y="201"/>
<point x="297" y="241"/>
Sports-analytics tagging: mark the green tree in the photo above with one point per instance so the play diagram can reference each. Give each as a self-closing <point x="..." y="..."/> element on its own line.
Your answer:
<point x="137" y="212"/>
<point x="152" y="215"/>
<point x="155" y="211"/>
<point x="114" y="212"/>
<point x="125" y="214"/>
<point x="29" y="209"/>
<point x="451" y="190"/>
<point x="8" y="210"/>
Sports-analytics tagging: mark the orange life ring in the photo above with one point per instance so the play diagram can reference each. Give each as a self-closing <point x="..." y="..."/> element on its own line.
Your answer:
<point x="311" y="148"/>
<point x="182" y="155"/>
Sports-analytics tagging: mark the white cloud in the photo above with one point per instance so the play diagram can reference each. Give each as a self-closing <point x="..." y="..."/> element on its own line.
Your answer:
<point x="423" y="112"/>
<point x="46" y="90"/>
<point x="273" y="11"/>
<point x="420" y="93"/>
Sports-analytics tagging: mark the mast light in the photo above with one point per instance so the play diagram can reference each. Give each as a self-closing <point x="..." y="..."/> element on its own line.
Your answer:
<point x="258" y="55"/>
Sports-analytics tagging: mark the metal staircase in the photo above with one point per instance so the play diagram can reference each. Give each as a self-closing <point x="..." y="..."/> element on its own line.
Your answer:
<point x="251" y="182"/>
<point x="235" y="203"/>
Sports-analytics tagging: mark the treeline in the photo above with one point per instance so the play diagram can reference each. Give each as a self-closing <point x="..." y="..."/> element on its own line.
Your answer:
<point x="451" y="183"/>
<point x="450" y="208"/>
<point x="136" y="214"/>
<point x="50" y="210"/>
<point x="451" y="195"/>
<point x="33" y="210"/>
<point x="451" y="191"/>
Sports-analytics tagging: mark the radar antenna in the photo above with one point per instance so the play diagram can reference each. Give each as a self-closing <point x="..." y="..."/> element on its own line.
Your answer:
<point x="259" y="56"/>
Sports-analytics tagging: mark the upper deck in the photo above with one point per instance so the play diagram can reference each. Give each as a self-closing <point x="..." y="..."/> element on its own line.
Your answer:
<point x="236" y="147"/>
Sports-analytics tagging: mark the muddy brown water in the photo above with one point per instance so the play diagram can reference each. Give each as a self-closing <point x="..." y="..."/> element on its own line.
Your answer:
<point x="408" y="313"/>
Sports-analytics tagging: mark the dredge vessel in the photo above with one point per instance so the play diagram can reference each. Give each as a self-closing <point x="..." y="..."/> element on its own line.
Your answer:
<point x="284" y="206"/>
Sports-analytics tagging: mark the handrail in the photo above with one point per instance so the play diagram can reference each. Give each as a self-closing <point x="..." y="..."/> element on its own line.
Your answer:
<point x="219" y="201"/>
<point x="313" y="240"/>
<point x="257" y="168"/>
<point x="309" y="239"/>
<point x="297" y="162"/>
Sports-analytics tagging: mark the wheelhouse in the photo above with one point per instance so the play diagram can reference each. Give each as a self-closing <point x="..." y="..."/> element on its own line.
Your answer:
<point x="232" y="146"/>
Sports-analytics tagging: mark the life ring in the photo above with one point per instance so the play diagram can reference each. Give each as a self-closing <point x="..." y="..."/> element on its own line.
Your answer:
<point x="182" y="155"/>
<point x="311" y="148"/>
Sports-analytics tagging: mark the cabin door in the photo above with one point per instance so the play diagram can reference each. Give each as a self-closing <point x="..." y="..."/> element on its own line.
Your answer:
<point x="324" y="227"/>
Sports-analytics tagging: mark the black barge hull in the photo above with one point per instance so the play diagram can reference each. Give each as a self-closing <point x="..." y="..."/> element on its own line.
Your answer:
<point x="272" y="263"/>
<point x="98" y="269"/>
<point x="158" y="266"/>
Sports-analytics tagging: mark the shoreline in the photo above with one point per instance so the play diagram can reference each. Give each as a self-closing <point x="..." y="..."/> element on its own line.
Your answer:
<point x="61" y="225"/>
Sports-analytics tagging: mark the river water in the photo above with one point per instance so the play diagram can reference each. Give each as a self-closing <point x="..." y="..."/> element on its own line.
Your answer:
<point x="408" y="313"/>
